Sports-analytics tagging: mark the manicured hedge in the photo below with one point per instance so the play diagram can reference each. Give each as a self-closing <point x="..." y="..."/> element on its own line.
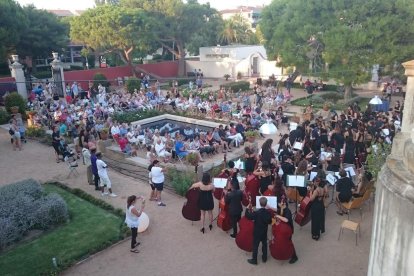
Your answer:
<point x="236" y="86"/>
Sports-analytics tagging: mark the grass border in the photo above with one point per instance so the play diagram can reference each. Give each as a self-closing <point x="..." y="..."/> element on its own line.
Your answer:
<point x="125" y="232"/>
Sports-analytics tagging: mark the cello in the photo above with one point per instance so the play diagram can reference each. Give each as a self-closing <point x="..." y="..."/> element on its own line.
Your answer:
<point x="190" y="210"/>
<point x="223" y="220"/>
<point x="303" y="215"/>
<point x="251" y="187"/>
<point x="281" y="246"/>
<point x="244" y="238"/>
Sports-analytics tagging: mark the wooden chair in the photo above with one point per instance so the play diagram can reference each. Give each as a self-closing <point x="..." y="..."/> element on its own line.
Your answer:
<point x="353" y="226"/>
<point x="355" y="203"/>
<point x="367" y="197"/>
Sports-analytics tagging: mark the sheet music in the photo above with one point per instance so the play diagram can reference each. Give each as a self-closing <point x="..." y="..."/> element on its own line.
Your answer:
<point x="331" y="179"/>
<point x="239" y="164"/>
<point x="241" y="179"/>
<point x="298" y="145"/>
<point x="293" y="126"/>
<point x="350" y="171"/>
<point x="386" y="131"/>
<point x="312" y="175"/>
<point x="271" y="201"/>
<point x="219" y="182"/>
<point x="296" y="181"/>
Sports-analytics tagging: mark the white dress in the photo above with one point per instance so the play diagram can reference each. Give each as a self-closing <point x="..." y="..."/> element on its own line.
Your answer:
<point x="268" y="128"/>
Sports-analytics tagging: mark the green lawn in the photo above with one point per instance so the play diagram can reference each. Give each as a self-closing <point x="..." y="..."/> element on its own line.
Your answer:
<point x="90" y="228"/>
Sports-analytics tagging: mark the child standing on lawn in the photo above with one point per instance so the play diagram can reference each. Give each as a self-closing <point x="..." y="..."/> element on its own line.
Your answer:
<point x="103" y="176"/>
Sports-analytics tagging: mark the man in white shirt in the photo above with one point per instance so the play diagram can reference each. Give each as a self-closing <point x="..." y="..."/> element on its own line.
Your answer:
<point x="115" y="131"/>
<point x="103" y="176"/>
<point x="161" y="151"/>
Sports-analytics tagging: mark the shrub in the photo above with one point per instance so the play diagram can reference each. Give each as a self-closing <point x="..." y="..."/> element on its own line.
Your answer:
<point x="37" y="132"/>
<point x="353" y="100"/>
<point x="317" y="99"/>
<point x="43" y="74"/>
<point x="52" y="211"/>
<point x="24" y="206"/>
<point x="4" y="117"/>
<point x="332" y="96"/>
<point x="133" y="83"/>
<point x="100" y="78"/>
<point x="236" y="86"/>
<point x="15" y="99"/>
<point x="181" y="181"/>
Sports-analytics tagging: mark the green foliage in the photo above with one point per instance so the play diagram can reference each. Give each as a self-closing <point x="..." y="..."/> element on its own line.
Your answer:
<point x="15" y="99"/>
<point x="35" y="132"/>
<point x="43" y="74"/>
<point x="181" y="82"/>
<point x="4" y="116"/>
<point x="343" y="34"/>
<point x="236" y="30"/>
<point x="45" y="33"/>
<point x="90" y="229"/>
<point x="132" y="116"/>
<point x="332" y="96"/>
<point x="12" y="24"/>
<point x="181" y="181"/>
<point x="317" y="99"/>
<point x="377" y="157"/>
<point x="236" y="86"/>
<point x="251" y="133"/>
<point x="100" y="78"/>
<point x="112" y="28"/>
<point x="133" y="83"/>
<point x="353" y="100"/>
<point x="24" y="207"/>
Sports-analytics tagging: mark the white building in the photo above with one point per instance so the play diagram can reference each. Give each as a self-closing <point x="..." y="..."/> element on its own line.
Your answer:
<point x="244" y="60"/>
<point x="251" y="14"/>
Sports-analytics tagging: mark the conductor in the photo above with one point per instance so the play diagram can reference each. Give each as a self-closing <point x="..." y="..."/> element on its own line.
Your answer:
<point x="262" y="218"/>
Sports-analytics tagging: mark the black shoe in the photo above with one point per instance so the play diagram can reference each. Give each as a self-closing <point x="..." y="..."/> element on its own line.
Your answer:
<point x="264" y="259"/>
<point x="202" y="230"/>
<point x="233" y="236"/>
<point x="293" y="260"/>
<point x="210" y="227"/>
<point x="97" y="189"/>
<point x="251" y="261"/>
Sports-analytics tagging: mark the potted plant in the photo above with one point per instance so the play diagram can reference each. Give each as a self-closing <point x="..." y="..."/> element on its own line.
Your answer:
<point x="104" y="133"/>
<point x="251" y="135"/>
<point x="227" y="76"/>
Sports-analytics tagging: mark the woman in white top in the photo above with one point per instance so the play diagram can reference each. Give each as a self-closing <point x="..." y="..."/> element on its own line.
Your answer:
<point x="132" y="219"/>
<point x="157" y="178"/>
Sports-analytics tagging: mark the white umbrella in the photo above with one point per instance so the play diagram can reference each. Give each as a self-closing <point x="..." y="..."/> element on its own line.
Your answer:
<point x="376" y="100"/>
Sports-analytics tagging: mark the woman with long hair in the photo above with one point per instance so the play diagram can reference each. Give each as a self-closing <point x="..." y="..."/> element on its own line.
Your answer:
<point x="267" y="153"/>
<point x="318" y="208"/>
<point x="205" y="201"/>
<point x="265" y="176"/>
<point x="132" y="215"/>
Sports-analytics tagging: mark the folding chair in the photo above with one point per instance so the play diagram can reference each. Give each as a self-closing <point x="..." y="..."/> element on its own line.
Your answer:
<point x="72" y="165"/>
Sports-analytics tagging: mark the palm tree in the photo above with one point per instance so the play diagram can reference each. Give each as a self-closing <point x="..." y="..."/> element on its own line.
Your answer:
<point x="235" y="30"/>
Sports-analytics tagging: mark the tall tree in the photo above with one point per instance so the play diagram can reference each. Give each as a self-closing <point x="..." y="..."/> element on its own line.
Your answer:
<point x="350" y="36"/>
<point x="114" y="29"/>
<point x="12" y="23"/>
<point x="236" y="30"/>
<point x="106" y="2"/>
<point x="46" y="33"/>
<point x="179" y="24"/>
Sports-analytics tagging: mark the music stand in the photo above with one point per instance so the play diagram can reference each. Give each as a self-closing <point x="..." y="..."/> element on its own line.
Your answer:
<point x="296" y="181"/>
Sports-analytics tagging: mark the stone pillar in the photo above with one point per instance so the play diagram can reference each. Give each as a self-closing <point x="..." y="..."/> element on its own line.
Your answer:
<point x="17" y="73"/>
<point x="392" y="242"/>
<point x="57" y="73"/>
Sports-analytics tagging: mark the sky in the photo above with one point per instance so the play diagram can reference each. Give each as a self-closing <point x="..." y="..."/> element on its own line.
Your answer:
<point x="84" y="4"/>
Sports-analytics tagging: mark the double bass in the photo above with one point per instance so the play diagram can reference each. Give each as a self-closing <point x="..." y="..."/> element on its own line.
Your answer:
<point x="244" y="238"/>
<point x="303" y="215"/>
<point x="251" y="187"/>
<point x="190" y="210"/>
<point x="281" y="246"/>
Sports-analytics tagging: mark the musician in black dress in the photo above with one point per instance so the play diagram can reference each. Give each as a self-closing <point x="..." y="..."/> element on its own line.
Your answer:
<point x="262" y="218"/>
<point x="234" y="201"/>
<point x="318" y="208"/>
<point x="265" y="176"/>
<point x="205" y="200"/>
<point x="344" y="187"/>
<point x="249" y="160"/>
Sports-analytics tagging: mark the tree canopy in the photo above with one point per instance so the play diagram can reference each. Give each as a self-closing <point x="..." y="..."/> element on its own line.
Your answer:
<point x="114" y="29"/>
<point x="350" y="36"/>
<point x="236" y="30"/>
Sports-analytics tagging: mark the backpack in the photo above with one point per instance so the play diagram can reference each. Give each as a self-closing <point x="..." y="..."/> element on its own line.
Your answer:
<point x="11" y="131"/>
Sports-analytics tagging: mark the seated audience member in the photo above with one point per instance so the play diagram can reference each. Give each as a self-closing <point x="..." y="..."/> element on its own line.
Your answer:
<point x="161" y="150"/>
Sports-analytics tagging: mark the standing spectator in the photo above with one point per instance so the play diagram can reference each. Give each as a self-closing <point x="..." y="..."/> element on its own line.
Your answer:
<point x="75" y="90"/>
<point x="132" y="219"/>
<point x="21" y="127"/>
<point x="56" y="142"/>
<point x="16" y="138"/>
<point x="157" y="178"/>
<point x="87" y="161"/>
<point x="94" y="169"/>
<point x="103" y="176"/>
